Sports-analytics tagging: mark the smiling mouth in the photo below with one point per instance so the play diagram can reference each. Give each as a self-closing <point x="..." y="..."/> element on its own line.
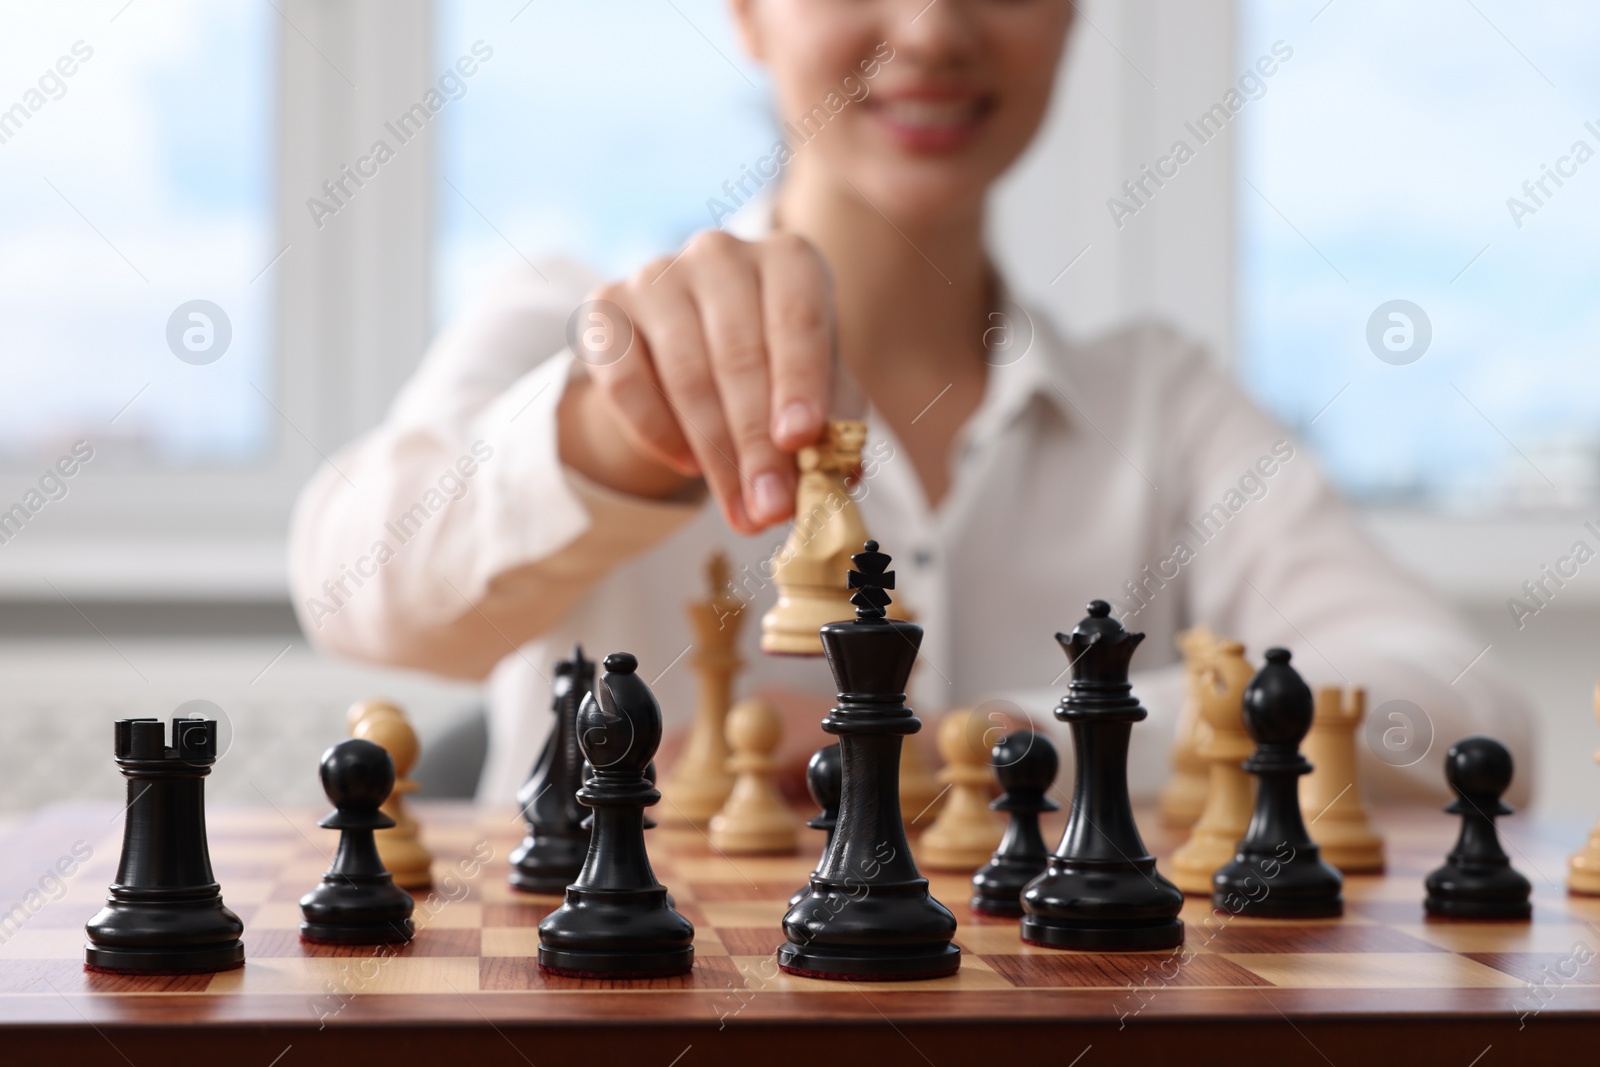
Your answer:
<point x="932" y="114"/>
<point x="931" y="125"/>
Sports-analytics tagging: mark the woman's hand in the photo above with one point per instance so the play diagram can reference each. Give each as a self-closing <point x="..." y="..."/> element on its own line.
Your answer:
<point x="727" y="375"/>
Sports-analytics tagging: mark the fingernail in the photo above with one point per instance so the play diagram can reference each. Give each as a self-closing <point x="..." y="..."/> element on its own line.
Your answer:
<point x="795" y="420"/>
<point x="770" y="498"/>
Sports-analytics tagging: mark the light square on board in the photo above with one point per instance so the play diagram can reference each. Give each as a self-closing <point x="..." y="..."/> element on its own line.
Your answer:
<point x="1374" y="970"/>
<point x="358" y="976"/>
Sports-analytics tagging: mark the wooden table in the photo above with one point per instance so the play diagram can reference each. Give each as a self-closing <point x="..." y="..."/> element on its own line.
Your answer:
<point x="1379" y="985"/>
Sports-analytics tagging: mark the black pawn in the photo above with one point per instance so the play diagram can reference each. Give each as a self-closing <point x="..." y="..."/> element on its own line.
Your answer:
<point x="1026" y="763"/>
<point x="824" y="777"/>
<point x="551" y="855"/>
<point x="616" y="921"/>
<point x="1278" y="872"/>
<point x="1100" y="891"/>
<point x="868" y="914"/>
<point x="1477" y="880"/>
<point x="357" y="902"/>
<point x="165" y="913"/>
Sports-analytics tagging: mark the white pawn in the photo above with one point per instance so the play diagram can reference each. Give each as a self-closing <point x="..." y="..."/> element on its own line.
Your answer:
<point x="756" y="819"/>
<point x="966" y="833"/>
<point x="1583" y="869"/>
<point x="399" y="847"/>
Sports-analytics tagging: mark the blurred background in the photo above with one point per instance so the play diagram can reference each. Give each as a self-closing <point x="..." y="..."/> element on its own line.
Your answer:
<point x="1390" y="239"/>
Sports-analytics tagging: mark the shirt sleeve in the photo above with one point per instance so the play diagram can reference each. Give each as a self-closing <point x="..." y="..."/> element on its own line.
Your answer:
<point x="1273" y="556"/>
<point x="452" y="533"/>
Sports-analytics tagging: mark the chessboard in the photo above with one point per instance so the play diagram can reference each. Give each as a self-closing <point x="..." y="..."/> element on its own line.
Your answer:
<point x="1380" y="984"/>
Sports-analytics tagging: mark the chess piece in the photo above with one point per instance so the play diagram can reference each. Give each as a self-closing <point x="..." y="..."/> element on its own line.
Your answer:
<point x="920" y="791"/>
<point x="404" y="857"/>
<point x="552" y="853"/>
<point x="1183" y="798"/>
<point x="1583" y="870"/>
<point x="615" y="921"/>
<point x="868" y="915"/>
<point x="823" y="781"/>
<point x="1232" y="794"/>
<point x="1101" y="891"/>
<point x="700" y="781"/>
<point x="1026" y="764"/>
<point x="357" y="902"/>
<point x="1277" y="871"/>
<point x="164" y="914"/>
<point x="649" y="823"/>
<point x="966" y="832"/>
<point x="1330" y="794"/>
<point x="1477" y="880"/>
<point x="362" y="710"/>
<point x="756" y="820"/>
<point x="588" y="819"/>
<point x="810" y="567"/>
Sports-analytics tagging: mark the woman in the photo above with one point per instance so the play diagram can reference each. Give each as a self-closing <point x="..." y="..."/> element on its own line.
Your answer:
<point x="534" y="499"/>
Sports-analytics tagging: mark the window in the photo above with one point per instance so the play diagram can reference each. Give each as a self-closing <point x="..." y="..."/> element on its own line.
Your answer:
<point x="596" y="132"/>
<point x="1443" y="155"/>
<point x="136" y="168"/>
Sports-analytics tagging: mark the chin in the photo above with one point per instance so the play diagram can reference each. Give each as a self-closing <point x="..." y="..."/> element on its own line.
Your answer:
<point x="920" y="194"/>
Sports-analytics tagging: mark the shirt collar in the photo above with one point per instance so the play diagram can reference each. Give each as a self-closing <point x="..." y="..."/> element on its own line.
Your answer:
<point x="1029" y="362"/>
<point x="1026" y="364"/>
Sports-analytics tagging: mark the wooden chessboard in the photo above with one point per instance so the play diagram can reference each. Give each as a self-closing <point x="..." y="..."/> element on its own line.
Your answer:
<point x="1381" y="982"/>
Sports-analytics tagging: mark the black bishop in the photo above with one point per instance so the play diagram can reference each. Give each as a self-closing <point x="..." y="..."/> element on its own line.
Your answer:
<point x="616" y="920"/>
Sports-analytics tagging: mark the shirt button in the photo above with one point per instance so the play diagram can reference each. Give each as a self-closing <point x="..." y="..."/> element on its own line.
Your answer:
<point x="922" y="557"/>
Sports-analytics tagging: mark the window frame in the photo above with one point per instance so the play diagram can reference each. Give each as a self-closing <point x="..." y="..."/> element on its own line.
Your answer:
<point x="351" y="321"/>
<point x="355" y="298"/>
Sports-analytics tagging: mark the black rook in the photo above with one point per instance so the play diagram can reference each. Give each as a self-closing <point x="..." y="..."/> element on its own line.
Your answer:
<point x="165" y="913"/>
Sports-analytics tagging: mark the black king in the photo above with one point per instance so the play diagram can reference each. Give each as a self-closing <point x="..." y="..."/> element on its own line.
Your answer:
<point x="868" y="914"/>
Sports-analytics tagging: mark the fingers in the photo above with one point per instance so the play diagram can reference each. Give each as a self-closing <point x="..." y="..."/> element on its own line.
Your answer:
<point x="631" y="387"/>
<point x="670" y="322"/>
<point x="729" y="368"/>
<point x="797" y="306"/>
<point x="728" y="293"/>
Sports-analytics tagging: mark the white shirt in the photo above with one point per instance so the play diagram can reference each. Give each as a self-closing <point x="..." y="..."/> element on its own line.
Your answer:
<point x="452" y="539"/>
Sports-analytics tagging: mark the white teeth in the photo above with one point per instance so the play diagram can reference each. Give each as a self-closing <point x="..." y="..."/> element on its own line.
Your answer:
<point x="930" y="113"/>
